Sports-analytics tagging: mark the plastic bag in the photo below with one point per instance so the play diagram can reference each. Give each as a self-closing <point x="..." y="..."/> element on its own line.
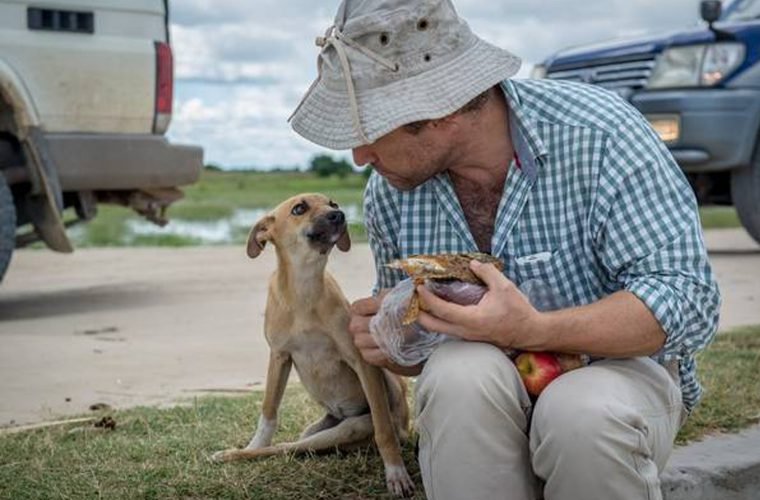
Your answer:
<point x="404" y="345"/>
<point x="411" y="344"/>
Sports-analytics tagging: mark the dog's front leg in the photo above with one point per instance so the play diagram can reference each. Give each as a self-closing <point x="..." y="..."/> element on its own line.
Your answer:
<point x="277" y="378"/>
<point x="373" y="383"/>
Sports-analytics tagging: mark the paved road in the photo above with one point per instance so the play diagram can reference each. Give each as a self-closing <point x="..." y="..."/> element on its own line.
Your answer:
<point x="134" y="326"/>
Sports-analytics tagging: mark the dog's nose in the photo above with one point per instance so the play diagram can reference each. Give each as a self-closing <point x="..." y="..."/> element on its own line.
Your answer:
<point x="336" y="217"/>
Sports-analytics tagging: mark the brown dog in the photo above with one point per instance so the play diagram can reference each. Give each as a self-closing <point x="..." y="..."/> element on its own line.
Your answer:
<point x="306" y="325"/>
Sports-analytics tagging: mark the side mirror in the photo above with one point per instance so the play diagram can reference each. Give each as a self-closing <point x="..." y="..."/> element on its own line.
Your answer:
<point x="710" y="10"/>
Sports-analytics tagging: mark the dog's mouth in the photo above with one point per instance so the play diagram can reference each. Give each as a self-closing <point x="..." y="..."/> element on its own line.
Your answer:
<point x="326" y="231"/>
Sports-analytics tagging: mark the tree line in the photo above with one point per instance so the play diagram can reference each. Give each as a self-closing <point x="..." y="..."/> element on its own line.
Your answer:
<point x="322" y="165"/>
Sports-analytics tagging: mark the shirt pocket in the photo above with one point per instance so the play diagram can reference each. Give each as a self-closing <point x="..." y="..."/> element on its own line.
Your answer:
<point x="539" y="265"/>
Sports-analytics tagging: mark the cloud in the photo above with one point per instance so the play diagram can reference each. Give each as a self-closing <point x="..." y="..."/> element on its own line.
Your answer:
<point x="242" y="66"/>
<point x="240" y="126"/>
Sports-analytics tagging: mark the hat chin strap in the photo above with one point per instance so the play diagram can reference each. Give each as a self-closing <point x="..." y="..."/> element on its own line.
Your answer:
<point x="336" y="39"/>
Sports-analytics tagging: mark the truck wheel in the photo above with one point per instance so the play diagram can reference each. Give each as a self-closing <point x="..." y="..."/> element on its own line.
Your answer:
<point x="745" y="191"/>
<point x="7" y="226"/>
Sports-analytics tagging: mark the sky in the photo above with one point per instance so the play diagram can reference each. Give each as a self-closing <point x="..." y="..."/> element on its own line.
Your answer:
<point x="242" y="66"/>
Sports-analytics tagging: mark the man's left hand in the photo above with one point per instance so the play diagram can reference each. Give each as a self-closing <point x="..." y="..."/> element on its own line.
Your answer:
<point x="503" y="317"/>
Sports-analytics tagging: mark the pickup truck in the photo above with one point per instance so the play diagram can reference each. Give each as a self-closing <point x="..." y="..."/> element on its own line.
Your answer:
<point x="85" y="100"/>
<point x="700" y="90"/>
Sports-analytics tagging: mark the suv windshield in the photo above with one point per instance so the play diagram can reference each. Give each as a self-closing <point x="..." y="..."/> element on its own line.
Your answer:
<point x="743" y="10"/>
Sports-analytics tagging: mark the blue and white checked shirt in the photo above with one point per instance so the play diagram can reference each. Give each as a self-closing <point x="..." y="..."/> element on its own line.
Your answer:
<point x="599" y="203"/>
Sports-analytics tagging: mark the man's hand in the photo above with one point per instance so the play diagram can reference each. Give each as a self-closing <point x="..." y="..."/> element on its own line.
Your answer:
<point x="362" y="312"/>
<point x="503" y="317"/>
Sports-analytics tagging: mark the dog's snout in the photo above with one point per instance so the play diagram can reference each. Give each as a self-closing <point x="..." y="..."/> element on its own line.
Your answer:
<point x="336" y="217"/>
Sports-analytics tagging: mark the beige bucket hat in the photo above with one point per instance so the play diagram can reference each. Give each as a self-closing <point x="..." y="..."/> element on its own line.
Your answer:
<point x="386" y="63"/>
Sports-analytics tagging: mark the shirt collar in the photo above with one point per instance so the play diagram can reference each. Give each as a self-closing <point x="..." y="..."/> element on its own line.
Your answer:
<point x="529" y="148"/>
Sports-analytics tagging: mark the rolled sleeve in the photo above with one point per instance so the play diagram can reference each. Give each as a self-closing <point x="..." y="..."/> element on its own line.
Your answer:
<point x="649" y="241"/>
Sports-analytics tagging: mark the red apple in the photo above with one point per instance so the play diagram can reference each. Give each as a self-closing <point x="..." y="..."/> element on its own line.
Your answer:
<point x="537" y="369"/>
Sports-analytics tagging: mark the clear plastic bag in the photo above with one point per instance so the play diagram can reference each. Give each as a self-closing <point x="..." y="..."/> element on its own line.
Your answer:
<point x="409" y="345"/>
<point x="405" y="345"/>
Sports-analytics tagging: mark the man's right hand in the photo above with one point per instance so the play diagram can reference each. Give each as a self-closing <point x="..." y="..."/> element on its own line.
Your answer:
<point x="362" y="312"/>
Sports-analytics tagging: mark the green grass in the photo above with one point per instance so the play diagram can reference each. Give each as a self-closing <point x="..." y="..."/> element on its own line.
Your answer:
<point x="730" y="372"/>
<point x="162" y="453"/>
<point x="108" y="229"/>
<point x="262" y="190"/>
<point x="719" y="217"/>
<point x="201" y="211"/>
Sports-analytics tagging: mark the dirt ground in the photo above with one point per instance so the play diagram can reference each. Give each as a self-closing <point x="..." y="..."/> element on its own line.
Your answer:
<point x="156" y="325"/>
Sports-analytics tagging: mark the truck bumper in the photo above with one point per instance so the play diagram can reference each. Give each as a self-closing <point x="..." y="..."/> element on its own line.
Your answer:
<point x="718" y="127"/>
<point x="118" y="161"/>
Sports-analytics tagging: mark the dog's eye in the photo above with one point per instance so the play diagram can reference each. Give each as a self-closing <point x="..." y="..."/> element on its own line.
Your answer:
<point x="300" y="209"/>
<point x="333" y="204"/>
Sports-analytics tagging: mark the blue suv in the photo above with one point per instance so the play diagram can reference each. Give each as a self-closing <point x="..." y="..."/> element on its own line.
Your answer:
<point x="700" y="90"/>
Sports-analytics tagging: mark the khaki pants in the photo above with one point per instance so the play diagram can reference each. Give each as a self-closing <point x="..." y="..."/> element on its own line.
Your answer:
<point x="601" y="432"/>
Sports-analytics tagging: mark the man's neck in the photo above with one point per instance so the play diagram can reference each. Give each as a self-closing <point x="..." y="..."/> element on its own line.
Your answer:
<point x="486" y="152"/>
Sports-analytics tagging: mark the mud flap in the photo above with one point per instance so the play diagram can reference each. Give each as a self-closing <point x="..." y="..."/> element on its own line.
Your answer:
<point x="45" y="204"/>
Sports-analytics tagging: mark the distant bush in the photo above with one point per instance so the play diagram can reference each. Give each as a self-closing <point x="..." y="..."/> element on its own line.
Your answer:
<point x="326" y="165"/>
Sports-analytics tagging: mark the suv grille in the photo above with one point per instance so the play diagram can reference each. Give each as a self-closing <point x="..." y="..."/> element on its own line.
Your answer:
<point x="621" y="76"/>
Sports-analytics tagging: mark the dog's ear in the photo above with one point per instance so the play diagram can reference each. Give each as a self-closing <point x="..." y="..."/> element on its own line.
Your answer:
<point x="344" y="242"/>
<point x="259" y="235"/>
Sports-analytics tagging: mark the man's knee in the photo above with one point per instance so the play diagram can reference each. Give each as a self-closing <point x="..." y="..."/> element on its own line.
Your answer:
<point x="607" y="423"/>
<point x="462" y="372"/>
<point x="573" y="416"/>
<point x="567" y="415"/>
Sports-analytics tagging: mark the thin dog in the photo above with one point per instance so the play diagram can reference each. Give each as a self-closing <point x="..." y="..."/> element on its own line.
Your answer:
<point x="306" y="326"/>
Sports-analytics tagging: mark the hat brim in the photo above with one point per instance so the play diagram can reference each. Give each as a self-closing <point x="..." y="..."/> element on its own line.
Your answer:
<point x="325" y="118"/>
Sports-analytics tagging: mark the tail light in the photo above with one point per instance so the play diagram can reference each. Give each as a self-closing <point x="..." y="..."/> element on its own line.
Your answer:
<point x="164" y="87"/>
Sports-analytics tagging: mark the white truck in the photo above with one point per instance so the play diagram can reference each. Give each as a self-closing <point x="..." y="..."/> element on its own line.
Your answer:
<point x="85" y="99"/>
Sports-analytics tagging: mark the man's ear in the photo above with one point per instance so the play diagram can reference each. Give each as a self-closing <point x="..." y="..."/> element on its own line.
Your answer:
<point x="344" y="242"/>
<point x="259" y="235"/>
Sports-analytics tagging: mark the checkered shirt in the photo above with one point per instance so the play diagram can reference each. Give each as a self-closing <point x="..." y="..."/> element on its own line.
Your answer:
<point x="594" y="205"/>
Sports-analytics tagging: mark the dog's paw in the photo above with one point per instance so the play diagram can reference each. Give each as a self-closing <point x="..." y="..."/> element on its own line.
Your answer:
<point x="398" y="481"/>
<point x="223" y="456"/>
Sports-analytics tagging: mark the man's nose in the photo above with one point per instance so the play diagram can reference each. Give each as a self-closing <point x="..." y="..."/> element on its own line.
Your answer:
<point x="363" y="155"/>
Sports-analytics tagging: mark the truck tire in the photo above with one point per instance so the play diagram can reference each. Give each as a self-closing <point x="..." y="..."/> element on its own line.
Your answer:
<point x="7" y="226"/>
<point x="745" y="192"/>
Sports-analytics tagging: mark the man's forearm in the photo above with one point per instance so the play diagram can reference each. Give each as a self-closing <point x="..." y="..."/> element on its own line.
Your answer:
<point x="619" y="325"/>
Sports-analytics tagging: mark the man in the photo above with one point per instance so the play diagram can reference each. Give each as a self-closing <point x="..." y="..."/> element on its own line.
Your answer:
<point x="568" y="185"/>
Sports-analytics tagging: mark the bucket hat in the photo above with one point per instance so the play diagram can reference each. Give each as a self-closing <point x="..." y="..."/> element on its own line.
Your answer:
<point x="386" y="63"/>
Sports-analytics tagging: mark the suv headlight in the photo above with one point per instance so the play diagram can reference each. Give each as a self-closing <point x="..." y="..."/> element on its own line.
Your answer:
<point x="696" y="65"/>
